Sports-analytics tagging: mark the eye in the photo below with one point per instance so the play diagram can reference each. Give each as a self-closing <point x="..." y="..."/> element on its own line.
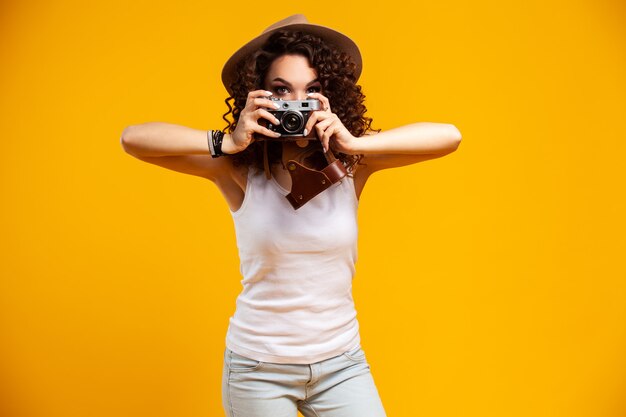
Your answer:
<point x="314" y="89"/>
<point x="281" y="90"/>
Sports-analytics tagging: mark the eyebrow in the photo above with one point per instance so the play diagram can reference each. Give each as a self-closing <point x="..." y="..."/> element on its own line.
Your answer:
<point x="289" y="84"/>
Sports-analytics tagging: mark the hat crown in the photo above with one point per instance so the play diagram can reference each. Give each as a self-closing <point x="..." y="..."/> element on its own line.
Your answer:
<point x="291" y="20"/>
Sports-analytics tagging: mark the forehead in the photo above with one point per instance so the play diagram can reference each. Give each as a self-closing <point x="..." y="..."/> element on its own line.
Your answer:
<point x="293" y="68"/>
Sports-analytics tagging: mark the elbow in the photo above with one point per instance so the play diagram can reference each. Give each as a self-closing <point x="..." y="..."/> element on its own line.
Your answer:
<point x="455" y="138"/>
<point x="456" y="133"/>
<point x="125" y="139"/>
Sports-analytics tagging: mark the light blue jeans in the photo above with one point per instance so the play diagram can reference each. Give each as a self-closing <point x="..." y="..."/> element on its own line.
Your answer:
<point x="341" y="386"/>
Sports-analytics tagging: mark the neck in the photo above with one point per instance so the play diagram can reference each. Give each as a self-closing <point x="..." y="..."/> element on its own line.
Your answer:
<point x="291" y="150"/>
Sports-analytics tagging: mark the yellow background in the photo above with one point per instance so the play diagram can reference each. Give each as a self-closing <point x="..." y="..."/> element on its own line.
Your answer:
<point x="490" y="282"/>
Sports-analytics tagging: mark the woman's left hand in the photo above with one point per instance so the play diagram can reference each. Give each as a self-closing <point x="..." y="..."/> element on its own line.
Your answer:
<point x="330" y="131"/>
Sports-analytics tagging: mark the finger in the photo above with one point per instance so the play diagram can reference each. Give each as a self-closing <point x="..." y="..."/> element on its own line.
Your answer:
<point x="322" y="128"/>
<point x="326" y="120"/>
<point x="308" y="127"/>
<point x="326" y="138"/>
<point x="325" y="123"/>
<point x="265" y="131"/>
<point x="259" y="93"/>
<point x="335" y="126"/>
<point x="262" y="113"/>
<point x="324" y="101"/>
<point x="321" y="134"/>
<point x="265" y="102"/>
<point x="315" y="116"/>
<point x="255" y="94"/>
<point x="328" y="133"/>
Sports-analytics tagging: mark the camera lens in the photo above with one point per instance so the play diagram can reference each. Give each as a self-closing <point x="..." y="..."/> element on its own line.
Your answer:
<point x="292" y="121"/>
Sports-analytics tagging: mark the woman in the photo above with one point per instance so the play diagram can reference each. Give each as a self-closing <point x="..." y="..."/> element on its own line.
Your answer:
<point x="293" y="342"/>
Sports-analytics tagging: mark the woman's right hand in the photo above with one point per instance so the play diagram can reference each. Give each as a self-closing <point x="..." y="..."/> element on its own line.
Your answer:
<point x="248" y="123"/>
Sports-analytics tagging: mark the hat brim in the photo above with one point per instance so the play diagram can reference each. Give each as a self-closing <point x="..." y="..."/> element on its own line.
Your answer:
<point x="329" y="35"/>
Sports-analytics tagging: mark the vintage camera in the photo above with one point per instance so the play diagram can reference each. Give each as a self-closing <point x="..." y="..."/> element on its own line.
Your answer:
<point x="293" y="115"/>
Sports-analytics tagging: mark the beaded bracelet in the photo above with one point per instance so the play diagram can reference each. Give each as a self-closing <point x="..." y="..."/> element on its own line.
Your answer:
<point x="215" y="138"/>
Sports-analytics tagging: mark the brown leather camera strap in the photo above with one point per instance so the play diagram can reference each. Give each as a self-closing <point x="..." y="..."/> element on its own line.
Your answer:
<point x="266" y="164"/>
<point x="306" y="183"/>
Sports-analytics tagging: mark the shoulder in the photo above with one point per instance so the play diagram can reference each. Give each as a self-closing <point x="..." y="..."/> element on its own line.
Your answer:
<point x="362" y="170"/>
<point x="238" y="174"/>
<point x="364" y="159"/>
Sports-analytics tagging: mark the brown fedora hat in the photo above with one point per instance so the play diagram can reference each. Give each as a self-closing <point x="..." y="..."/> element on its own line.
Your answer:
<point x="294" y="22"/>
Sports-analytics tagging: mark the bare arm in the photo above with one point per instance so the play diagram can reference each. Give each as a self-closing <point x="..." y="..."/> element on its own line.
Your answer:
<point x="176" y="147"/>
<point x="186" y="150"/>
<point x="416" y="138"/>
<point x="406" y="145"/>
<point x="162" y="139"/>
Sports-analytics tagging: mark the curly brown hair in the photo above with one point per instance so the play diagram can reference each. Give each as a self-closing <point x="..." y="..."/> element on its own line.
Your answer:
<point x="336" y="72"/>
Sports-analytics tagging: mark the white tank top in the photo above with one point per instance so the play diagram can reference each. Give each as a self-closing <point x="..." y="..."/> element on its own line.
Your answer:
<point x="296" y="305"/>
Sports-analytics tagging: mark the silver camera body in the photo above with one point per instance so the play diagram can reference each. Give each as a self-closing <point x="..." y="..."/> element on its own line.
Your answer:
<point x="292" y="115"/>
